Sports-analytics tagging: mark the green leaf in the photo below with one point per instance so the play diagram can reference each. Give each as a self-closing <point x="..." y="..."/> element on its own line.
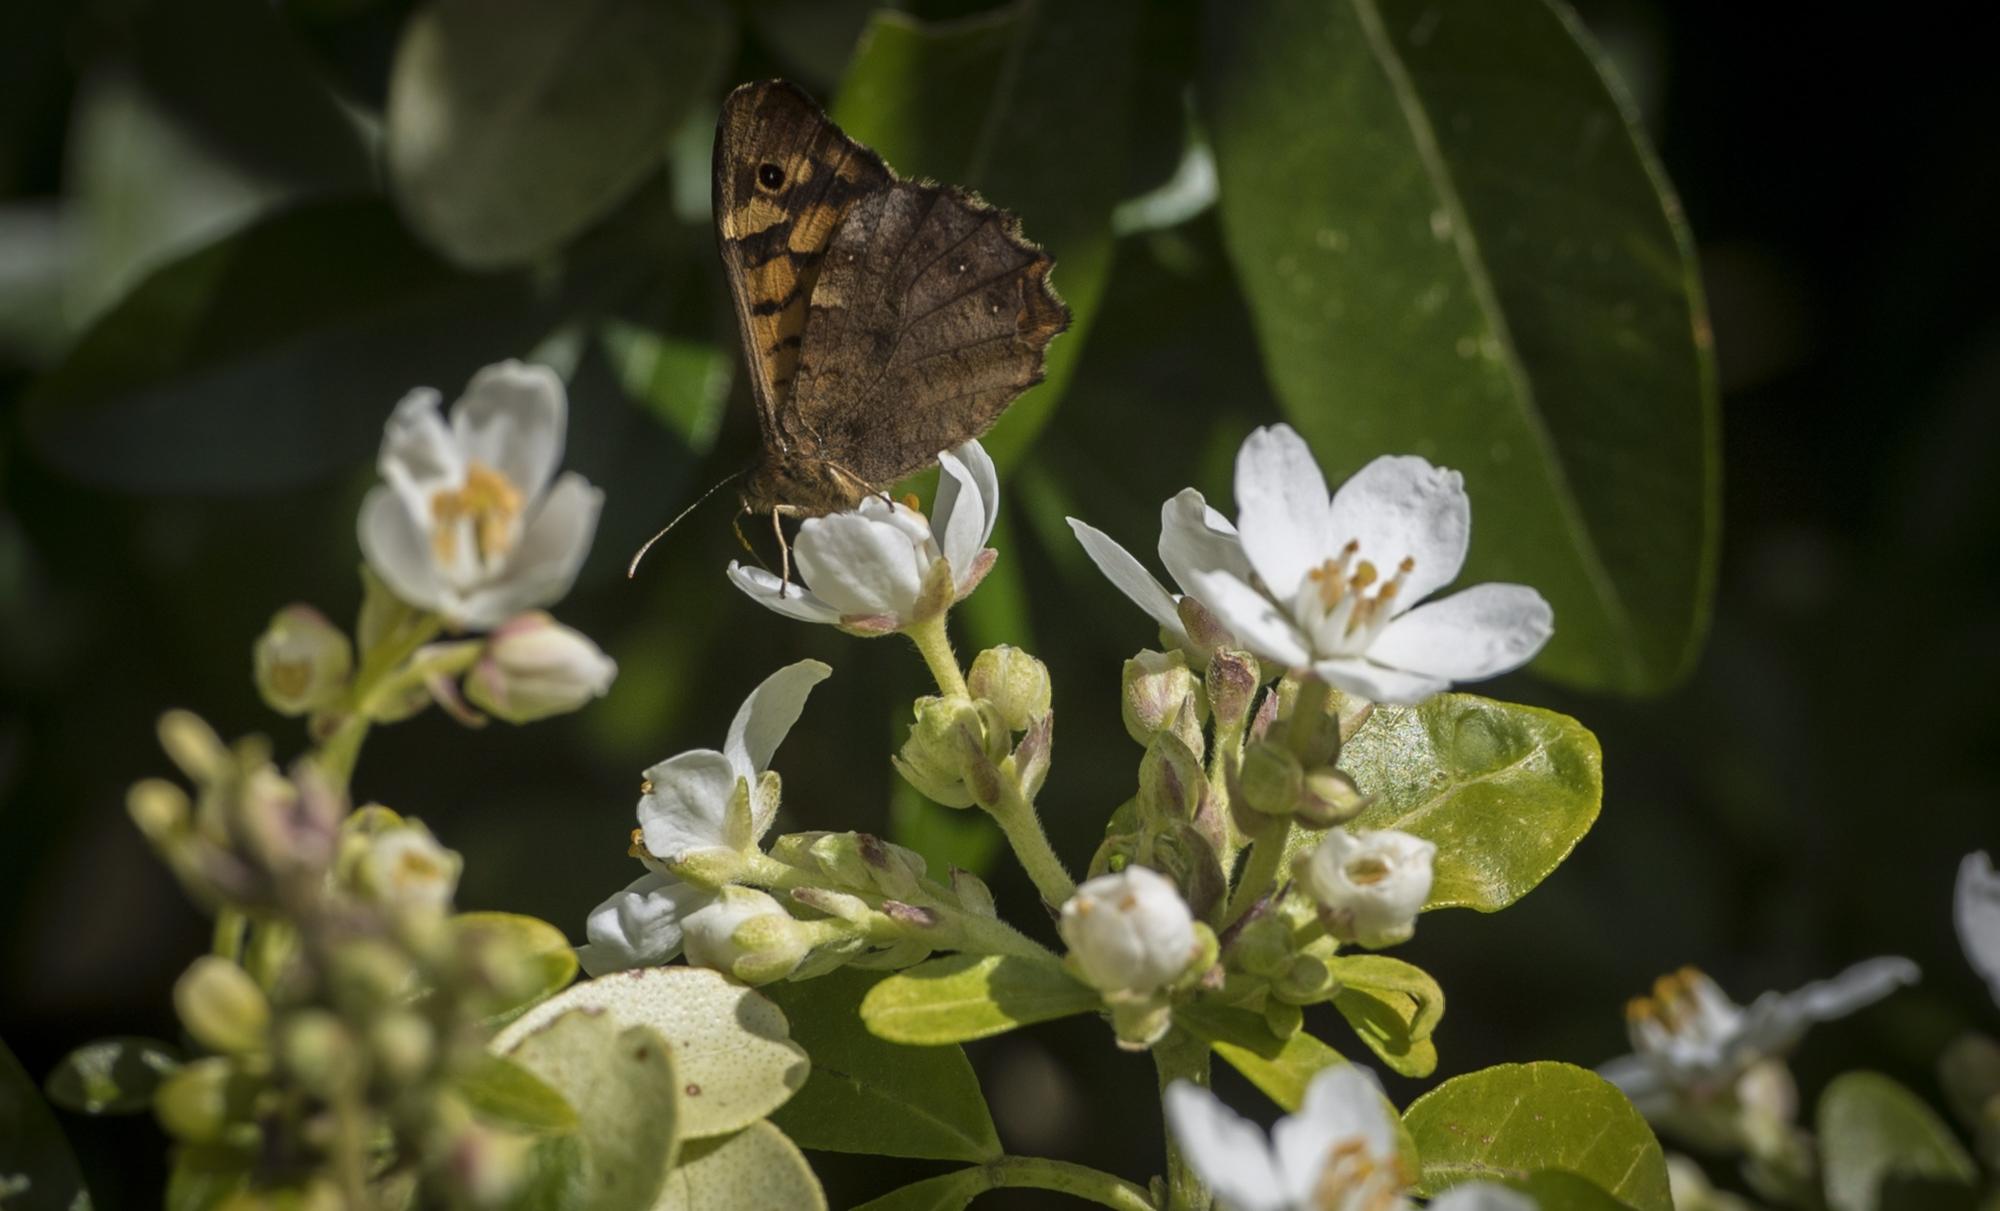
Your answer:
<point x="1512" y="1120"/>
<point x="1394" y="1006"/>
<point x="621" y="1080"/>
<point x="872" y="1096"/>
<point x="1874" y="1132"/>
<point x="732" y="1050"/>
<point x="963" y="996"/>
<point x="514" y="124"/>
<point x="755" y="1169"/>
<point x="32" y="1146"/>
<point x="1505" y="791"/>
<point x="508" y="1095"/>
<point x="946" y="1192"/>
<point x="112" y="1076"/>
<point x="1555" y="1190"/>
<point x="1281" y="1068"/>
<point x="683" y="382"/>
<point x="547" y="960"/>
<point x="203" y="1177"/>
<point x="1455" y="242"/>
<point x="1028" y="104"/>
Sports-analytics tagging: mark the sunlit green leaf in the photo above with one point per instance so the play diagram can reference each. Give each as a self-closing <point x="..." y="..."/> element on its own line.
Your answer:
<point x="683" y="382"/>
<point x="1513" y="1120"/>
<point x="508" y="1095"/>
<point x="544" y="956"/>
<point x="963" y="996"/>
<point x="622" y="1082"/>
<point x="755" y="1169"/>
<point x="1393" y="1006"/>
<point x="1282" y="1068"/>
<point x="112" y="1076"/>
<point x="1873" y="1132"/>
<point x="1555" y="1190"/>
<point x="872" y="1096"/>
<point x="32" y="1145"/>
<point x="1456" y="243"/>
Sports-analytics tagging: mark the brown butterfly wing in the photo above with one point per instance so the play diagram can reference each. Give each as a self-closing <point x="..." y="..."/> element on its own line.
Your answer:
<point x="930" y="315"/>
<point x="785" y="176"/>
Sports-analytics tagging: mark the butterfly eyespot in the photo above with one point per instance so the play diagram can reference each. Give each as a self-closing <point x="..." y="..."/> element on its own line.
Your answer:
<point x="770" y="176"/>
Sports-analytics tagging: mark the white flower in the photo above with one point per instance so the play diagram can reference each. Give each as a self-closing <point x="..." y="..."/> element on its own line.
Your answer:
<point x="745" y="933"/>
<point x="869" y="568"/>
<point x="1976" y="909"/>
<point x="1335" y="577"/>
<point x="1129" y="932"/>
<point x="1195" y="540"/>
<point x="471" y="520"/>
<point x="1338" y="1153"/>
<point x="1692" y="1044"/>
<point x="534" y="667"/>
<point x="699" y="802"/>
<point x="407" y="867"/>
<point x="1370" y="885"/>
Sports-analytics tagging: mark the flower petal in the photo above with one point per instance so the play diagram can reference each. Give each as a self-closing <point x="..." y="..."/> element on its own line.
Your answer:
<point x="1481" y="1196"/>
<point x="1478" y="632"/>
<point x="1401" y="506"/>
<point x="1226" y="1149"/>
<point x="397" y="549"/>
<point x="1281" y="509"/>
<point x="1343" y="1102"/>
<point x="768" y="713"/>
<point x="1640" y="1080"/>
<point x="773" y="594"/>
<point x="544" y="565"/>
<point x="1251" y="618"/>
<point x="1378" y="683"/>
<point x="687" y="808"/>
<point x="967" y="506"/>
<point x="1194" y="537"/>
<point x="1976" y="909"/>
<point x="512" y="417"/>
<point x="641" y="925"/>
<point x="1130" y="577"/>
<point x="857" y="565"/>
<point x="419" y="456"/>
<point x="1775" y="1021"/>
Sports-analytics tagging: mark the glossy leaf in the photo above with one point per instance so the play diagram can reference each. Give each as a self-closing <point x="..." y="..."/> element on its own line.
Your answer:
<point x="545" y="956"/>
<point x="872" y="1096"/>
<point x="1457" y="243"/>
<point x="1027" y="104"/>
<point x="1281" y="1068"/>
<point x="32" y="1145"/>
<point x="1875" y="1133"/>
<point x="1394" y="1006"/>
<point x="754" y="1169"/>
<point x="945" y="1192"/>
<point x="625" y="1090"/>
<point x="1505" y="791"/>
<point x="1555" y="1190"/>
<point x="963" y="996"/>
<point x="112" y="1076"/>
<point x="513" y="124"/>
<point x="1512" y="1120"/>
<point x="507" y="1095"/>
<point x="731" y="1046"/>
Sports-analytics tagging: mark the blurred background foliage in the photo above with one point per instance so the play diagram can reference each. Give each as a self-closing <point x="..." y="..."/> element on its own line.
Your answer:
<point x="234" y="232"/>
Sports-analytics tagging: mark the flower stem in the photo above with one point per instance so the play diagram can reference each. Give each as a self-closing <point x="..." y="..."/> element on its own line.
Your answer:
<point x="934" y="645"/>
<point x="1267" y="850"/>
<point x="1023" y="828"/>
<point x="336" y="756"/>
<point x="1040" y="1173"/>
<point x="980" y="935"/>
<point x="1181" y="1056"/>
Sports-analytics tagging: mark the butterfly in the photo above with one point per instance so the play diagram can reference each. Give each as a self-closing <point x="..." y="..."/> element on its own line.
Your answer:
<point x="883" y="320"/>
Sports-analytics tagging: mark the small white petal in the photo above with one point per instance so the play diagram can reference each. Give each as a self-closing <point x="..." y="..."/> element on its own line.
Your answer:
<point x="1478" y="632"/>
<point x="1252" y="619"/>
<point x="768" y="714"/>
<point x="1482" y="1196"/>
<point x="857" y="565"/>
<point x="688" y="806"/>
<point x="1976" y="909"/>
<point x="1775" y="1021"/>
<point x="419" y="457"/>
<point x="1226" y="1149"/>
<point x="641" y="925"/>
<point x="1281" y="509"/>
<point x="1377" y="683"/>
<point x="397" y="550"/>
<point x="967" y="505"/>
<point x="1401" y="506"/>
<point x="1343" y="1102"/>
<point x="512" y="418"/>
<point x="545" y="563"/>
<point x="1639" y="1079"/>
<point x="1130" y="577"/>
<point x="773" y="594"/>
<point x="1195" y="538"/>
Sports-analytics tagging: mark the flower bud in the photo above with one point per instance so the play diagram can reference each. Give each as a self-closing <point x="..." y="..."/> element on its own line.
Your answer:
<point x="1031" y="756"/>
<point x="972" y="893"/>
<point x="222" y="1007"/>
<point x="1271" y="781"/>
<point x="370" y="971"/>
<point x="1329" y="797"/>
<point x="948" y="742"/>
<point x="1160" y="692"/>
<point x="317" y="1051"/>
<point x="301" y="661"/>
<point x="404" y="1043"/>
<point x="1231" y="684"/>
<point x="1284" y="1018"/>
<point x="1171" y="782"/>
<point x="746" y="934"/>
<point x="198" y="1101"/>
<point x="1013" y="681"/>
<point x="1369" y="887"/>
<point x="534" y="667"/>
<point x="1304" y="980"/>
<point x="405" y="867"/>
<point x="1263" y="945"/>
<point x="1205" y="631"/>
<point x="1129" y="932"/>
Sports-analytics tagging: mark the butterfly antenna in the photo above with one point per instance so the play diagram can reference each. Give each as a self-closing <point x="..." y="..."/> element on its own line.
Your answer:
<point x="632" y="569"/>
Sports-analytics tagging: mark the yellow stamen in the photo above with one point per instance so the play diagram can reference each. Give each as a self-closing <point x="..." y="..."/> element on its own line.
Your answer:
<point x="489" y="501"/>
<point x="1367" y="871"/>
<point x="911" y="502"/>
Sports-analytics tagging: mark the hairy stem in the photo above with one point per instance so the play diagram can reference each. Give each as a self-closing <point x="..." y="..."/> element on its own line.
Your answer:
<point x="934" y="645"/>
<point x="970" y="932"/>
<point x="1023" y="827"/>
<point x="1181" y="1056"/>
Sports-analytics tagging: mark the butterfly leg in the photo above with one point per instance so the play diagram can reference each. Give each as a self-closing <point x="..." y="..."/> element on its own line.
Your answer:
<point x="784" y="549"/>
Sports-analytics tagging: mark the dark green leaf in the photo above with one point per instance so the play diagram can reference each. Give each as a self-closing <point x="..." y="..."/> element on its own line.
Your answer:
<point x="1457" y="243"/>
<point x="683" y="382"/>
<point x="1873" y="1131"/>
<point x="1555" y="1190"/>
<point x="32" y="1146"/>
<point x="112" y="1076"/>
<point x="946" y="1192"/>
<point x="961" y="997"/>
<point x="872" y="1096"/>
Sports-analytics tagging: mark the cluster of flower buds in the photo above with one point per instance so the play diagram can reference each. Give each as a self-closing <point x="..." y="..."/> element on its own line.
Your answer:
<point x="990" y="745"/>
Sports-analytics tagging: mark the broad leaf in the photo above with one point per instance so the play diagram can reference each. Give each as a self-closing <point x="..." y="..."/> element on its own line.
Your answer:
<point x="946" y="1192"/>
<point x="1455" y="242"/>
<point x="513" y="124"/>
<point x="1505" y="791"/>
<point x="1513" y="1120"/>
<point x="32" y="1146"/>
<point x="683" y="382"/>
<point x="1873" y="1132"/>
<point x="1027" y="104"/>
<point x="1394" y="1006"/>
<point x="1555" y="1190"/>
<point x="732" y="1052"/>
<point x="872" y="1096"/>
<point x="961" y="997"/>
<point x="755" y="1169"/>
<point x="1281" y="1068"/>
<point x="112" y="1076"/>
<point x="547" y="960"/>
<point x="507" y="1095"/>
<point x="622" y="1082"/>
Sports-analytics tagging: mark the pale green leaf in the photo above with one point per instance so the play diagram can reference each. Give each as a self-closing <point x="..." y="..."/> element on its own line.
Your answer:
<point x="962" y="997"/>
<point x="1456" y="242"/>
<point x="1873" y="1133"/>
<point x="514" y="124"/>
<point x="112" y="1076"/>
<point x="869" y="1095"/>
<point x="547" y="962"/>
<point x="507" y="1095"/>
<point x="623" y="1085"/>
<point x="756" y="1169"/>
<point x="1281" y="1068"/>
<point x="1513" y="1120"/>
<point x="1394" y="1006"/>
<point x="732" y="1052"/>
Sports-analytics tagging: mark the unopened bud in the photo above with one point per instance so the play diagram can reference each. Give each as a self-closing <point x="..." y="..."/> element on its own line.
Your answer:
<point x="1231" y="684"/>
<point x="1329" y="797"/>
<point x="1141" y="1023"/>
<point x="894" y="870"/>
<point x="370" y="971"/>
<point x="1159" y="692"/>
<point x="222" y="1007"/>
<point x="1370" y="886"/>
<point x="746" y="934"/>
<point x="488" y="1165"/>
<point x="1303" y="981"/>
<point x="1031" y="756"/>
<point x="199" y="1101"/>
<point x="404" y="1043"/>
<point x="302" y="661"/>
<point x="1171" y="782"/>
<point x="534" y="667"/>
<point x="1013" y="681"/>
<point x="1284" y="1018"/>
<point x="193" y="746"/>
<point x="948" y="741"/>
<point x="972" y="893"/>
<point x="159" y="808"/>
<point x="1205" y="631"/>
<point x="1271" y="780"/>
<point x="406" y="868"/>
<point x="317" y="1050"/>
<point x="1263" y="945"/>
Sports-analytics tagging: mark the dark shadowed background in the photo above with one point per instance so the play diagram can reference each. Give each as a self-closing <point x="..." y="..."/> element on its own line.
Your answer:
<point x="1798" y="802"/>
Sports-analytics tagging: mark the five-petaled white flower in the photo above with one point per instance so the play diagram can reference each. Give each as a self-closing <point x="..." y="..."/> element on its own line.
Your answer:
<point x="1338" y="1153"/>
<point x="1976" y="910"/>
<point x="471" y="520"/>
<point x="1369" y="886"/>
<point x="1129" y="932"/>
<point x="882" y="565"/>
<point x="1692" y="1044"/>
<point x="1331" y="579"/>
<point x="1193" y="538"/>
<point x="699" y="803"/>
